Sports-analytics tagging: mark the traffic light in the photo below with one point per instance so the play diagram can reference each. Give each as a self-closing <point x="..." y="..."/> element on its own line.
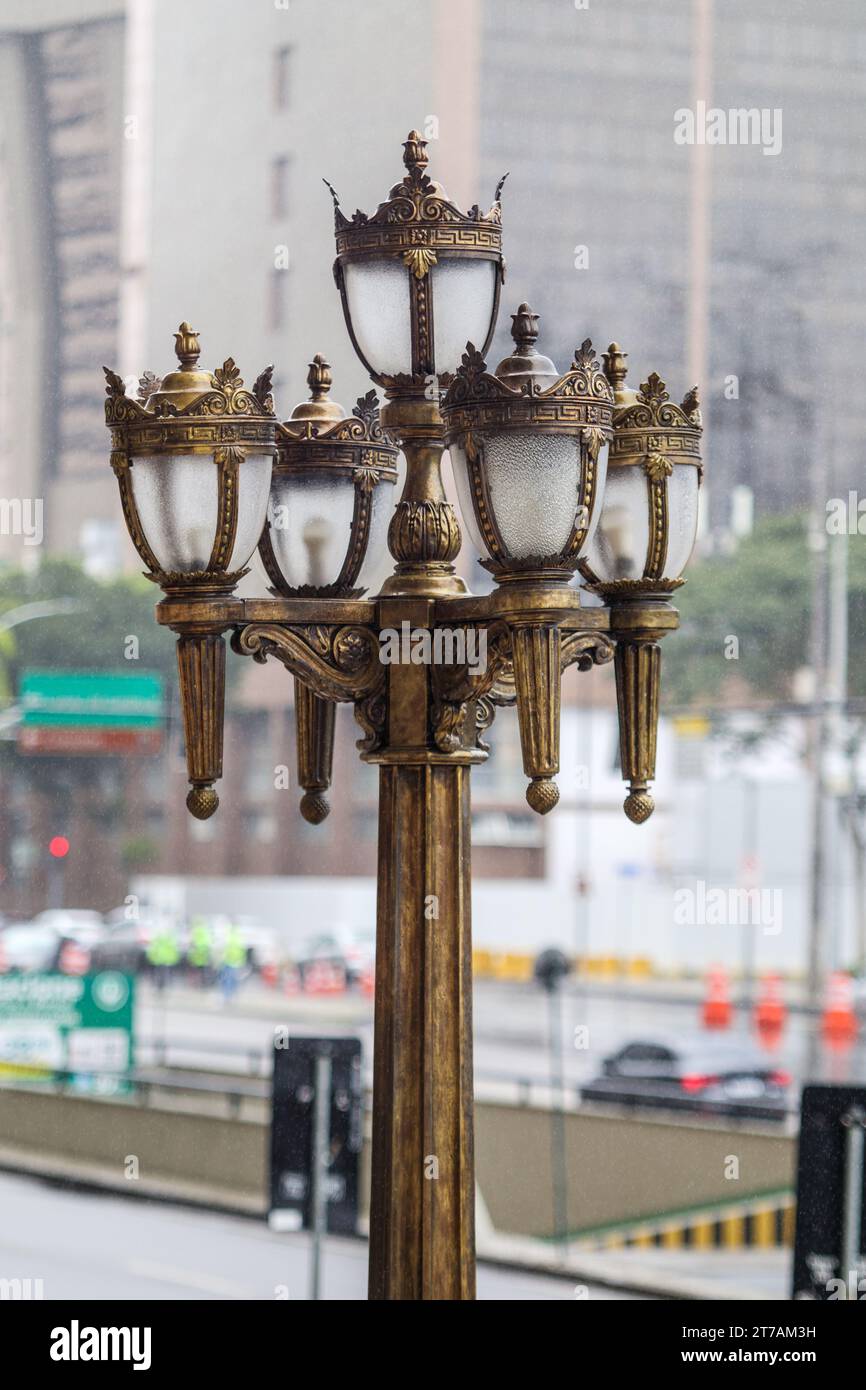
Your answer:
<point x="58" y="847"/>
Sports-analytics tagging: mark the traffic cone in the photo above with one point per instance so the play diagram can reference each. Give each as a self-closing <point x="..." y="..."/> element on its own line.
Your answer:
<point x="716" y="1011"/>
<point x="269" y="973"/>
<point x="292" y="980"/>
<point x="73" y="959"/>
<point x="770" y="1012"/>
<point x="839" y="1021"/>
<point x="368" y="982"/>
<point x="322" y="977"/>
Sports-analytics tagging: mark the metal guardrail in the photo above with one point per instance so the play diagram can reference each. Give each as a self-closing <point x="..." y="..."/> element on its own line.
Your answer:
<point x="259" y="1058"/>
<point x="142" y="1083"/>
<point x="135" y="1084"/>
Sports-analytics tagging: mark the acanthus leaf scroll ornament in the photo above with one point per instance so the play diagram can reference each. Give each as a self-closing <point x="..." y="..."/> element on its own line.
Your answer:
<point x="114" y="384"/>
<point x="367" y="475"/>
<point x="423" y="531"/>
<point x="585" y="650"/>
<point x="338" y="663"/>
<point x="584" y="357"/>
<point x="419" y="259"/>
<point x="263" y="387"/>
<point x="366" y="409"/>
<point x="371" y="714"/>
<point x="691" y="405"/>
<point x="657" y="467"/>
<point x="228" y="377"/>
<point x="594" y="438"/>
<point x="454" y="686"/>
<point x="148" y="383"/>
<point x="654" y="391"/>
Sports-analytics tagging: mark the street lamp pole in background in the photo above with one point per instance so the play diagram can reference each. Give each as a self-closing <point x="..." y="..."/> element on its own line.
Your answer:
<point x="551" y="969"/>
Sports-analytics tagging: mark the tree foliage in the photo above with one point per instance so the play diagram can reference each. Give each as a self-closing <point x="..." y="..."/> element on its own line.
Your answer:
<point x="761" y="595"/>
<point x="93" y="638"/>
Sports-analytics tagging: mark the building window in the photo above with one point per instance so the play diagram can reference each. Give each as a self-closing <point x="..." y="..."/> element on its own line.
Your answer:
<point x="282" y="58"/>
<point x="280" y="187"/>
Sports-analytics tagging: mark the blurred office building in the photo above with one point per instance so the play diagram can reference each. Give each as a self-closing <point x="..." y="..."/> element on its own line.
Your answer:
<point x="153" y="170"/>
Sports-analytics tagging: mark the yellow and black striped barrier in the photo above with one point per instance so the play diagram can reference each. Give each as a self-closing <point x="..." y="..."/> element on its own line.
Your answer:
<point x="763" y="1224"/>
<point x="518" y="966"/>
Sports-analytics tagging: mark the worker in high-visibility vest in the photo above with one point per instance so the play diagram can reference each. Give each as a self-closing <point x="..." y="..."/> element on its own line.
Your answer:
<point x="233" y="958"/>
<point x="200" y="950"/>
<point x="162" y="955"/>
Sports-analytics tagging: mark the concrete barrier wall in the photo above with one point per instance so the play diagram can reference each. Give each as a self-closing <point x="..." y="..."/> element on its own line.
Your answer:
<point x="222" y="1160"/>
<point x="619" y="1169"/>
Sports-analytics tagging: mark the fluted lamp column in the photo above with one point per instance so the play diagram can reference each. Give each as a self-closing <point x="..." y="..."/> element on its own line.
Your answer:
<point x="417" y="278"/>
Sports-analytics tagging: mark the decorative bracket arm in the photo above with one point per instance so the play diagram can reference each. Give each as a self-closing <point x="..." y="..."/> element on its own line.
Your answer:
<point x="585" y="650"/>
<point x="453" y="687"/>
<point x="338" y="663"/>
<point x="331" y="664"/>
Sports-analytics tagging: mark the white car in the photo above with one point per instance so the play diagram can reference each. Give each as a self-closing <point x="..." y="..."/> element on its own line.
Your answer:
<point x="28" y="946"/>
<point x="78" y="923"/>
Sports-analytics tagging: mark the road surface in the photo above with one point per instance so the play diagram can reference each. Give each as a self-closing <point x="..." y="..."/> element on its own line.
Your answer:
<point x="86" y="1246"/>
<point x="510" y="1028"/>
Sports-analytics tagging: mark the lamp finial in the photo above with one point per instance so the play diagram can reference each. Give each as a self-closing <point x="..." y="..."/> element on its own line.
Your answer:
<point x="319" y="377"/>
<point x="415" y="152"/>
<point x="524" y="327"/>
<point x="616" y="369"/>
<point x="187" y="346"/>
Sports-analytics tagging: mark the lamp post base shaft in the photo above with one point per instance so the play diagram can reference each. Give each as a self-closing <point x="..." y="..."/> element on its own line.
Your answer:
<point x="422" y="1217"/>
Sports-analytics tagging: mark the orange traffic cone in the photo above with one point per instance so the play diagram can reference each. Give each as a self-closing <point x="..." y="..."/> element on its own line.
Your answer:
<point x="322" y="977"/>
<point x="770" y="1012"/>
<point x="269" y="973"/>
<point x="292" y="980"/>
<point x="839" y="1021"/>
<point x="73" y="959"/>
<point x="716" y="1011"/>
<point x="368" y="982"/>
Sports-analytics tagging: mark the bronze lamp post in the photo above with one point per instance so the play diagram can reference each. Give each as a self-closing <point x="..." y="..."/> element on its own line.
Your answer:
<point x="545" y="463"/>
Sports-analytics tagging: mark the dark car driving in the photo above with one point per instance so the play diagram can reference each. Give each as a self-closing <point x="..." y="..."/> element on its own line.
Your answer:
<point x="719" y="1076"/>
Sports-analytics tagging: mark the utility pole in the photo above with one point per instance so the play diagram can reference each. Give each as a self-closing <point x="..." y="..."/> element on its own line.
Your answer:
<point x="818" y="664"/>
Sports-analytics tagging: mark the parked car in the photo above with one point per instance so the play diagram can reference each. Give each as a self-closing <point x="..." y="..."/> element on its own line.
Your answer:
<point x="78" y="923"/>
<point x="122" y="946"/>
<point x="28" y="946"/>
<point x="718" y="1076"/>
<point x="350" y="949"/>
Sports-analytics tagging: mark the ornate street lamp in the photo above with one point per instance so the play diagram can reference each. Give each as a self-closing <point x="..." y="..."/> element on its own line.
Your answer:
<point x="331" y="500"/>
<point x="529" y="451"/>
<point x="420" y="283"/>
<point x="643" y="542"/>
<point x="418" y="278"/>
<point x="193" y="456"/>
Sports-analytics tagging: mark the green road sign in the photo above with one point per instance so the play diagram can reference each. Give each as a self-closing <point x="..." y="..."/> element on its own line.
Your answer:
<point x="91" y="711"/>
<point x="79" y="1024"/>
